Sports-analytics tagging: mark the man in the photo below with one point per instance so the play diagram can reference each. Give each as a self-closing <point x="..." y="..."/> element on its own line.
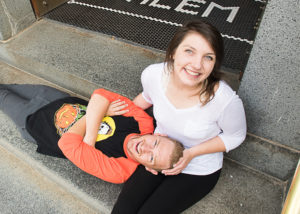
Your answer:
<point x="112" y="154"/>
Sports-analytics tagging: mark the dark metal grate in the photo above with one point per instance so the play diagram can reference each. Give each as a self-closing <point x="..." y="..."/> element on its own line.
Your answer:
<point x="153" y="26"/>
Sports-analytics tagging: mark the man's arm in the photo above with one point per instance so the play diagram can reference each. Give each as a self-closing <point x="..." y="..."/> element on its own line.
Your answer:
<point x="92" y="160"/>
<point x="96" y="111"/>
<point x="96" y="104"/>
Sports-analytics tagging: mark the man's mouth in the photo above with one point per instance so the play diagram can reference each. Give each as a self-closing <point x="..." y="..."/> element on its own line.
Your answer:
<point x="137" y="147"/>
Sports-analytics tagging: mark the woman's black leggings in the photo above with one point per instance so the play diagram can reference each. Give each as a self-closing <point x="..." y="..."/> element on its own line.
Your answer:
<point x="147" y="193"/>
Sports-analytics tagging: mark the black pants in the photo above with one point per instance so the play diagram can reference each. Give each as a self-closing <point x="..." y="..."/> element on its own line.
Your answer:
<point x="147" y="193"/>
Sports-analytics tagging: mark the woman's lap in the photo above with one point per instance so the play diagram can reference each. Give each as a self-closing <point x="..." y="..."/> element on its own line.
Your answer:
<point x="147" y="193"/>
<point x="136" y="190"/>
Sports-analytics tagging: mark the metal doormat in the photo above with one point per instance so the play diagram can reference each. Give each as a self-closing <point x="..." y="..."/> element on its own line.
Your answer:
<point x="152" y="23"/>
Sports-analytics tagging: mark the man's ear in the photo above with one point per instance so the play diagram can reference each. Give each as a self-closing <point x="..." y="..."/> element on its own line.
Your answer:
<point x="159" y="134"/>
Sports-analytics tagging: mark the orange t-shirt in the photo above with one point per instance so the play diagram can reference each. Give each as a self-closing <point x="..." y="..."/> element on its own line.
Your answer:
<point x="112" y="164"/>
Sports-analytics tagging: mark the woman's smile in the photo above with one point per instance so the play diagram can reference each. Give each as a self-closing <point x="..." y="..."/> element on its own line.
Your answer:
<point x="193" y="73"/>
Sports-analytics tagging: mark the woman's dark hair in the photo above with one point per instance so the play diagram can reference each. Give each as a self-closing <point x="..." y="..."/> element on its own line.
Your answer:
<point x="214" y="38"/>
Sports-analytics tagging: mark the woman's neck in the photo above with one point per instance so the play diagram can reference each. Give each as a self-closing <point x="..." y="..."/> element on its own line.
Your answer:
<point x="182" y="96"/>
<point x="181" y="88"/>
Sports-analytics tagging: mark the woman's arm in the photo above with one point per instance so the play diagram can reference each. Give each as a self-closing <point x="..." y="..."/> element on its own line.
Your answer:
<point x="232" y="122"/>
<point x="141" y="102"/>
<point x="211" y="146"/>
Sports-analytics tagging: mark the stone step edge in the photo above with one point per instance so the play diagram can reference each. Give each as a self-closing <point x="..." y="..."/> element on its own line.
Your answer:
<point x="76" y="80"/>
<point x="274" y="143"/>
<point x="285" y="183"/>
<point x="52" y="84"/>
<point x="277" y="180"/>
<point x="52" y="176"/>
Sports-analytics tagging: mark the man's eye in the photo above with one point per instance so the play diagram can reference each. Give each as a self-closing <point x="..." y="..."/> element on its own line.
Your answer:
<point x="155" y="143"/>
<point x="151" y="158"/>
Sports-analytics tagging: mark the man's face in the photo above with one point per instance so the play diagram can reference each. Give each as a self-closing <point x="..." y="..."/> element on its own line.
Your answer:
<point x="152" y="151"/>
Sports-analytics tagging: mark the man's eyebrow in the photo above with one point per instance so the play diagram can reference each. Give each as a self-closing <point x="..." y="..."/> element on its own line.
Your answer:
<point x="157" y="143"/>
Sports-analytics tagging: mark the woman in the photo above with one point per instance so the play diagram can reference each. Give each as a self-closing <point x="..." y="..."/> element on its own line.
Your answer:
<point x="192" y="105"/>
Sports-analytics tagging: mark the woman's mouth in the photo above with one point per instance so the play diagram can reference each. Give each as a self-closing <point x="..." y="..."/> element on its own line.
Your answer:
<point x="196" y="74"/>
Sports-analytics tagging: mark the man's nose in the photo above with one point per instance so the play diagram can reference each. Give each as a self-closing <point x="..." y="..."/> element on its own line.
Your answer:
<point x="146" y="148"/>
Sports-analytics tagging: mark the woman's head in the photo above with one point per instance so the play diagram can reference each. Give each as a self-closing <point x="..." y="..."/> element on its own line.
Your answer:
<point x="206" y="30"/>
<point x="205" y="56"/>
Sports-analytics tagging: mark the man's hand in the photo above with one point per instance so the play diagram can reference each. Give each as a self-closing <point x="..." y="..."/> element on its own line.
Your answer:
<point x="117" y="107"/>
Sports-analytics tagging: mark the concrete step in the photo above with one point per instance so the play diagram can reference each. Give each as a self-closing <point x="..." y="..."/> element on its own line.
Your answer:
<point x="25" y="189"/>
<point x="80" y="61"/>
<point x="266" y="156"/>
<point x="240" y="189"/>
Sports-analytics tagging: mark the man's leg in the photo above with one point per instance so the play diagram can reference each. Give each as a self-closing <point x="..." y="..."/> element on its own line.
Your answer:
<point x="136" y="191"/>
<point x="19" y="101"/>
<point x="177" y="193"/>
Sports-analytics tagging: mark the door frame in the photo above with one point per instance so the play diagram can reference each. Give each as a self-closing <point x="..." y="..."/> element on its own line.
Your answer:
<point x="41" y="7"/>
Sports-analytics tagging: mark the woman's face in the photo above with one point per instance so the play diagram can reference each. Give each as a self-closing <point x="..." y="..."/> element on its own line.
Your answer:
<point x="194" y="60"/>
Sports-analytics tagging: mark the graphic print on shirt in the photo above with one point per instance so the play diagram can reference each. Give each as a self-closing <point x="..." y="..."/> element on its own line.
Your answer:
<point x="107" y="128"/>
<point x="67" y="115"/>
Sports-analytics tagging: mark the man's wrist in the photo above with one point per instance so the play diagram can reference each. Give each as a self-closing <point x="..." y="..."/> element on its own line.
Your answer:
<point x="89" y="141"/>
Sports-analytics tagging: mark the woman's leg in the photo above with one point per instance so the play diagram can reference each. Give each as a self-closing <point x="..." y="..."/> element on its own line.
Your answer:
<point x="19" y="101"/>
<point x="136" y="190"/>
<point x="177" y="193"/>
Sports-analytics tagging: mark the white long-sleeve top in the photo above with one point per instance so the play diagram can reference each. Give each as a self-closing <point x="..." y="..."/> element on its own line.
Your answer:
<point x="223" y="116"/>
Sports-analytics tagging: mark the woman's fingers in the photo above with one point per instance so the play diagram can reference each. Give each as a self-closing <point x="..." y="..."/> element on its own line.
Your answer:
<point x="151" y="170"/>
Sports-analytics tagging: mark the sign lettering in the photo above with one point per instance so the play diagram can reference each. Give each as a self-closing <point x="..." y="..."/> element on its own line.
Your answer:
<point x="181" y="7"/>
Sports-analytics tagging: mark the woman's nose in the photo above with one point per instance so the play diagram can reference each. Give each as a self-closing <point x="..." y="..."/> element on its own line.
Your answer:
<point x="197" y="63"/>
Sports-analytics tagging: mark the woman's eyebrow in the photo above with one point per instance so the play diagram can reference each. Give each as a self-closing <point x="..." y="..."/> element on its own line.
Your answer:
<point x="211" y="53"/>
<point x="189" y="46"/>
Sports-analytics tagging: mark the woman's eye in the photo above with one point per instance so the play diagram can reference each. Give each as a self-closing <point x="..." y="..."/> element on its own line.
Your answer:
<point x="209" y="58"/>
<point x="151" y="158"/>
<point x="188" y="51"/>
<point x="155" y="143"/>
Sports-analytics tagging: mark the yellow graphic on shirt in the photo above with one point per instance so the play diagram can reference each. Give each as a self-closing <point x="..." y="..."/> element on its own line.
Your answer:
<point x="67" y="115"/>
<point x="107" y="128"/>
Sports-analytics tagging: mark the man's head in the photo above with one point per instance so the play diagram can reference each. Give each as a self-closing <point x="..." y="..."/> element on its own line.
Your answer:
<point x="155" y="151"/>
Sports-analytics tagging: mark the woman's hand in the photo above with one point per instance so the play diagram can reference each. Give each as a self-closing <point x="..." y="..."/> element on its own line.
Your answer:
<point x="117" y="107"/>
<point x="153" y="171"/>
<point x="181" y="164"/>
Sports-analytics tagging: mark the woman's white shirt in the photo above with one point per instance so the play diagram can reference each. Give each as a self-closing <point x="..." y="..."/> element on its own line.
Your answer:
<point x="223" y="116"/>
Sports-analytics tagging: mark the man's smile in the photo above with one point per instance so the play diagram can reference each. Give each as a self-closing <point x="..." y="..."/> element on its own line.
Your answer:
<point x="137" y="147"/>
